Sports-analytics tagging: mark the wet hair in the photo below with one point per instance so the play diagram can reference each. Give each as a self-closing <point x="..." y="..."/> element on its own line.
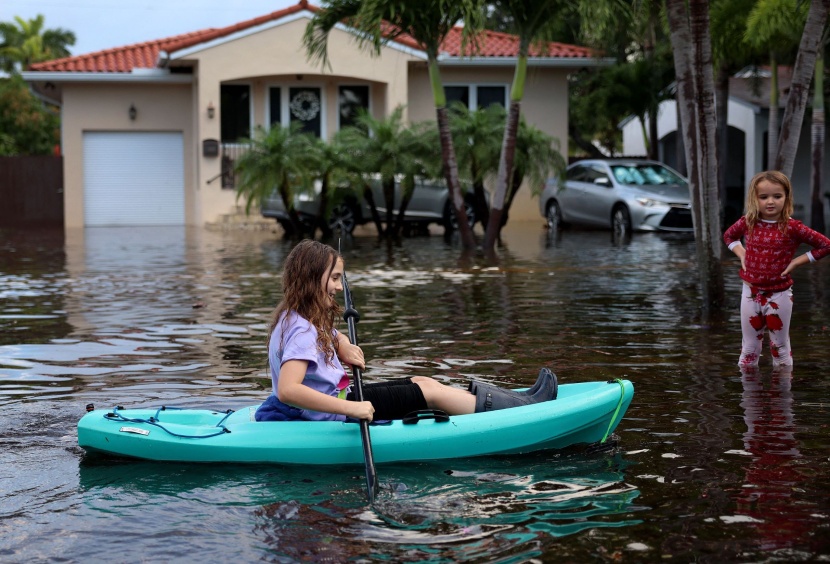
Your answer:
<point x="302" y="275"/>
<point x="752" y="212"/>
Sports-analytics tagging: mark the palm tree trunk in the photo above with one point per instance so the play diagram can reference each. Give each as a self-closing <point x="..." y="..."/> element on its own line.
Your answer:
<point x="407" y="187"/>
<point x="773" y="127"/>
<point x="468" y="241"/>
<point x="695" y="90"/>
<point x="805" y="62"/>
<point x="722" y="127"/>
<point x="508" y="151"/>
<point x="817" y="158"/>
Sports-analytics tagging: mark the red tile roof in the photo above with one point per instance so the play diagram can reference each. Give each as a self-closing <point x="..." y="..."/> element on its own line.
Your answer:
<point x="145" y="55"/>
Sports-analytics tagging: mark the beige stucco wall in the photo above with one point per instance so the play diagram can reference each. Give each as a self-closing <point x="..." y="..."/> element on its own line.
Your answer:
<point x="274" y="56"/>
<point x="104" y="107"/>
<point x="545" y="105"/>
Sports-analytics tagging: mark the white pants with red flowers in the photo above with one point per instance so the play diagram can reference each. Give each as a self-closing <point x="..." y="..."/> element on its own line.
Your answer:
<point x="771" y="311"/>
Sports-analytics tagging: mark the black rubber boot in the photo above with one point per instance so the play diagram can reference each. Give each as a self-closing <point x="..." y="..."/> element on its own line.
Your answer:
<point x="492" y="398"/>
<point x="544" y="374"/>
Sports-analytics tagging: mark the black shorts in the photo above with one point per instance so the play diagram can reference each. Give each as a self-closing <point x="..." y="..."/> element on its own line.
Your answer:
<point x="393" y="399"/>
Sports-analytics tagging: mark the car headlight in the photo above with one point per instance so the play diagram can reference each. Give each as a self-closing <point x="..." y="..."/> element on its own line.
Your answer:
<point x="649" y="203"/>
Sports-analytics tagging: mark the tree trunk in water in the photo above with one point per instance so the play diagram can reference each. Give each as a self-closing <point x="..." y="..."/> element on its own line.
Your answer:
<point x="407" y="187"/>
<point x="451" y="175"/>
<point x="805" y="64"/>
<point x="508" y="151"/>
<point x="817" y="158"/>
<point x="369" y="196"/>
<point x="322" y="211"/>
<point x="695" y="91"/>
<point x="468" y="241"/>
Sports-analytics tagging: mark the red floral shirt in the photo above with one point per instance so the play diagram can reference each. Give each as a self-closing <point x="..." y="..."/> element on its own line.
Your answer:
<point x="769" y="252"/>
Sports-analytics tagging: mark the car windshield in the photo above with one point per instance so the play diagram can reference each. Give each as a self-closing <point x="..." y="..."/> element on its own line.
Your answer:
<point x="645" y="175"/>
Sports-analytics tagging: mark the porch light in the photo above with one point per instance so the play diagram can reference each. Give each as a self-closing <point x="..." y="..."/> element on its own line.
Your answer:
<point x="132" y="112"/>
<point x="211" y="110"/>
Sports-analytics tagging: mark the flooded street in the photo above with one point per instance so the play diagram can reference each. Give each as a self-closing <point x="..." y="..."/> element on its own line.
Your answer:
<point x="709" y="464"/>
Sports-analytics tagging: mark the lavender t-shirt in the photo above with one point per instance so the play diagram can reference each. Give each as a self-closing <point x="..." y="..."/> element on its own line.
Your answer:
<point x="298" y="341"/>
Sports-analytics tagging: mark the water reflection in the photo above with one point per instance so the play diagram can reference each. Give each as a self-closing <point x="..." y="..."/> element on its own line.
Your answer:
<point x="775" y="480"/>
<point x="450" y="511"/>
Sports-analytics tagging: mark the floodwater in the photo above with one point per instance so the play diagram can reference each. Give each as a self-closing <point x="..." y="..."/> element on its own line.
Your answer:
<point x="708" y="465"/>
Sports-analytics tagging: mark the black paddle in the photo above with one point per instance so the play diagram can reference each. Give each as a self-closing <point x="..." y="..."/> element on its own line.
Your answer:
<point x="351" y="317"/>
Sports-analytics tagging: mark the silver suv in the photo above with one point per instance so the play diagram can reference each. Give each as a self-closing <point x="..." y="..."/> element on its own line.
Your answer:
<point x="430" y="203"/>
<point x="622" y="194"/>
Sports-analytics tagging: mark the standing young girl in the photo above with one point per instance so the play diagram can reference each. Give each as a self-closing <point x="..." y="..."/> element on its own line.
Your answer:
<point x="771" y="237"/>
<point x="305" y="353"/>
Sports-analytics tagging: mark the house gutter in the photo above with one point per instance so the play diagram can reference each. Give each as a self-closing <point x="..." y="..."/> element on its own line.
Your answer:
<point x="562" y="62"/>
<point x="154" y="76"/>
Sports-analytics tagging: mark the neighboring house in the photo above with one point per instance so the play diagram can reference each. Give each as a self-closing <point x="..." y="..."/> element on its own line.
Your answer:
<point x="748" y="124"/>
<point x="149" y="130"/>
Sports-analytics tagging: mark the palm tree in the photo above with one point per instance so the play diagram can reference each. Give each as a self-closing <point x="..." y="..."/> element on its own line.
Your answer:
<point x="428" y="22"/>
<point x="695" y="100"/>
<point x="537" y="159"/>
<point x="283" y="159"/>
<point x="731" y="53"/>
<point x="476" y="138"/>
<point x="774" y="25"/>
<point x="387" y="148"/>
<point x="805" y="62"/>
<point x="27" y="43"/>
<point x="817" y="143"/>
<point x="531" y="21"/>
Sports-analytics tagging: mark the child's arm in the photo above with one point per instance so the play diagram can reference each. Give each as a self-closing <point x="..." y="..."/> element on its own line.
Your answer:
<point x="290" y="390"/>
<point x="349" y="353"/>
<point x="737" y="248"/>
<point x="820" y="244"/>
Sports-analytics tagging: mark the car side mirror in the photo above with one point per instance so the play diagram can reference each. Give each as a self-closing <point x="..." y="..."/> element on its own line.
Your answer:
<point x="603" y="181"/>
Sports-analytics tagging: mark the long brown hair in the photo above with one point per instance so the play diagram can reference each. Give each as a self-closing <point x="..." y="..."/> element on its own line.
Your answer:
<point x="753" y="212"/>
<point x="302" y="275"/>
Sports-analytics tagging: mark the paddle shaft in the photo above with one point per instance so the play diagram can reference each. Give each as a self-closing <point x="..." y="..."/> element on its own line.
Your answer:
<point x="351" y="317"/>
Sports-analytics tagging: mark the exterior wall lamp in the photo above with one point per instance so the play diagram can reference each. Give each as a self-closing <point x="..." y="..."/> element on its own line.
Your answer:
<point x="211" y="110"/>
<point x="132" y="112"/>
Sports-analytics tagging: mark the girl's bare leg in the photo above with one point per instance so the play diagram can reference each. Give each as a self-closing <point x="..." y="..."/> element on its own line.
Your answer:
<point x="454" y="401"/>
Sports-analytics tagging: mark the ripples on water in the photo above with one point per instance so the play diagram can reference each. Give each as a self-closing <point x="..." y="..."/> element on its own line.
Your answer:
<point x="711" y="465"/>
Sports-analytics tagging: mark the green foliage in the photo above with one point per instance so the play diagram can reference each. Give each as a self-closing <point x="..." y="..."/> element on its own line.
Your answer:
<point x="776" y="25"/>
<point x="282" y="159"/>
<point x="477" y="137"/>
<point x="538" y="157"/>
<point x="27" y="127"/>
<point x="26" y="42"/>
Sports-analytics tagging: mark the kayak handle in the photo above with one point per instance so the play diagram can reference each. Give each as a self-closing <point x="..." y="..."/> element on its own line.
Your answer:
<point x="413" y="417"/>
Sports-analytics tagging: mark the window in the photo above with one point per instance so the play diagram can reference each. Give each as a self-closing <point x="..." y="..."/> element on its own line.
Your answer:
<point x="235" y="111"/>
<point x="305" y="107"/>
<point x="477" y="96"/>
<point x="351" y="100"/>
<point x="274" y="106"/>
<point x="457" y="94"/>
<point x="490" y="95"/>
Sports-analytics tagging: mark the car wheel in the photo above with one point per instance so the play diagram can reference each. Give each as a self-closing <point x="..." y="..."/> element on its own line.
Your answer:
<point x="451" y="221"/>
<point x="621" y="220"/>
<point x="343" y="218"/>
<point x="554" y="216"/>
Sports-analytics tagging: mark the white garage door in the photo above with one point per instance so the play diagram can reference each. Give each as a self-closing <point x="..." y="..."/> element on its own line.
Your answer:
<point x="133" y="178"/>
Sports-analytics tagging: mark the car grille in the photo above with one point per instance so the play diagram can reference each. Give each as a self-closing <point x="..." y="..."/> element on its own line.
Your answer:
<point x="677" y="218"/>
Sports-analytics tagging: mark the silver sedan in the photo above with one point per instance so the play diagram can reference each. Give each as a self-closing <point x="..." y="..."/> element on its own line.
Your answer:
<point x="621" y="194"/>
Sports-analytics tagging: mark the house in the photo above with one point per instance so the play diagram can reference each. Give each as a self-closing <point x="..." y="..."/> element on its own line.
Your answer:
<point x="748" y="125"/>
<point x="149" y="130"/>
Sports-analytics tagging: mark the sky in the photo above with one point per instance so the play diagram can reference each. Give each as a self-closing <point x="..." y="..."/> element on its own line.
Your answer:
<point x="103" y="24"/>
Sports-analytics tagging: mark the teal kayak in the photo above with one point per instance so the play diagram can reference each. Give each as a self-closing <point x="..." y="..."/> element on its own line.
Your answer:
<point x="583" y="413"/>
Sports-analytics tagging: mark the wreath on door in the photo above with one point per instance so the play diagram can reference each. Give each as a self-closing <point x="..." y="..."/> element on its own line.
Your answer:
<point x="305" y="105"/>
